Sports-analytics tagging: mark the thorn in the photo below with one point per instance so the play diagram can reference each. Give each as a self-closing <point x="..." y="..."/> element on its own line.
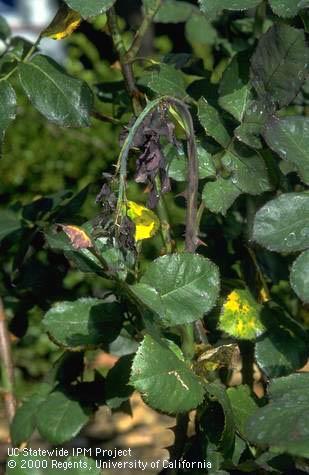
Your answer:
<point x="199" y="242"/>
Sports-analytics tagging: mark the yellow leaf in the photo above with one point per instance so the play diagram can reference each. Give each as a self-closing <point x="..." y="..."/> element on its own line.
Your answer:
<point x="64" y="23"/>
<point x="178" y="118"/>
<point x="145" y="220"/>
<point x="240" y="316"/>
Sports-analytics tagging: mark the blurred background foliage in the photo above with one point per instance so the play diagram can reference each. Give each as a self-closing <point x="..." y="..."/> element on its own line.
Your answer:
<point x="40" y="159"/>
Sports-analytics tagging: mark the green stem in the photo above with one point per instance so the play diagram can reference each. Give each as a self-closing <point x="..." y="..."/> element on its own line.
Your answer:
<point x="192" y="188"/>
<point x="8" y="75"/>
<point x="201" y="332"/>
<point x="250" y="212"/>
<point x="126" y="66"/>
<point x="137" y="41"/>
<point x="123" y="157"/>
<point x="125" y="60"/>
<point x="182" y="420"/>
<point x="260" y="15"/>
<point x="106" y="118"/>
<point x="250" y="215"/>
<point x="115" y="33"/>
<point x="32" y="49"/>
<point x="164" y="219"/>
<point x="143" y="59"/>
<point x="28" y="56"/>
<point x="259" y="273"/>
<point x="199" y="216"/>
<point x="187" y="337"/>
<point x="191" y="217"/>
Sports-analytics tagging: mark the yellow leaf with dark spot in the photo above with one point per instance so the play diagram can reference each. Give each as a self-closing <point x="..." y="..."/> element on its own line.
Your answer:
<point x="64" y="23"/>
<point x="146" y="221"/>
<point x="240" y="316"/>
<point x="78" y="237"/>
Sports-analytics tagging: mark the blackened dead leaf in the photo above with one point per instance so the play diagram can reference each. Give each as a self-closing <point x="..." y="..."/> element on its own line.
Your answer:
<point x="108" y="201"/>
<point x="152" y="163"/>
<point x="126" y="235"/>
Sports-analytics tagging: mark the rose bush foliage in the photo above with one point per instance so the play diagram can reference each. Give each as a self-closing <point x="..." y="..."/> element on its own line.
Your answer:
<point x="210" y="262"/>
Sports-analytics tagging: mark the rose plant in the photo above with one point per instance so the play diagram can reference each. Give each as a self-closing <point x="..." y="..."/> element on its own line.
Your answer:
<point x="210" y="265"/>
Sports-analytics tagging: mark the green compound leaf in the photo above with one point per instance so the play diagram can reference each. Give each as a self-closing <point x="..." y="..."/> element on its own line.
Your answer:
<point x="290" y="383"/>
<point x="60" y="418"/>
<point x="85" y="322"/>
<point x="247" y="168"/>
<point x="90" y="8"/>
<point x="189" y="289"/>
<point x="283" y="348"/>
<point x="251" y="128"/>
<point x="150" y="297"/>
<point x="200" y="30"/>
<point x="281" y="53"/>
<point x="5" y="30"/>
<point x="286" y="8"/>
<point x="7" y="108"/>
<point x="68" y="368"/>
<point x="24" y="421"/>
<point x="299" y="277"/>
<point x="304" y="15"/>
<point x="211" y="121"/>
<point x="150" y="6"/>
<point x="243" y="405"/>
<point x="213" y="7"/>
<point x="283" y="424"/>
<point x="221" y="435"/>
<point x="178" y="167"/>
<point x="206" y="166"/>
<point x="173" y="11"/>
<point x="235" y="89"/>
<point x="62" y="99"/>
<point x="9" y="222"/>
<point x="241" y="316"/>
<point x="219" y="195"/>
<point x="7" y="105"/>
<point x="19" y="48"/>
<point x="84" y="259"/>
<point x="157" y="371"/>
<point x="64" y="23"/>
<point x="165" y="80"/>
<point x="289" y="138"/>
<point x="117" y="388"/>
<point x="282" y="225"/>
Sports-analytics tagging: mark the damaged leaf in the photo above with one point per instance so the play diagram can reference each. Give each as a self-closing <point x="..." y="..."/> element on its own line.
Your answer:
<point x="78" y="237"/>
<point x="64" y="23"/>
<point x="152" y="162"/>
<point x="145" y="220"/>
